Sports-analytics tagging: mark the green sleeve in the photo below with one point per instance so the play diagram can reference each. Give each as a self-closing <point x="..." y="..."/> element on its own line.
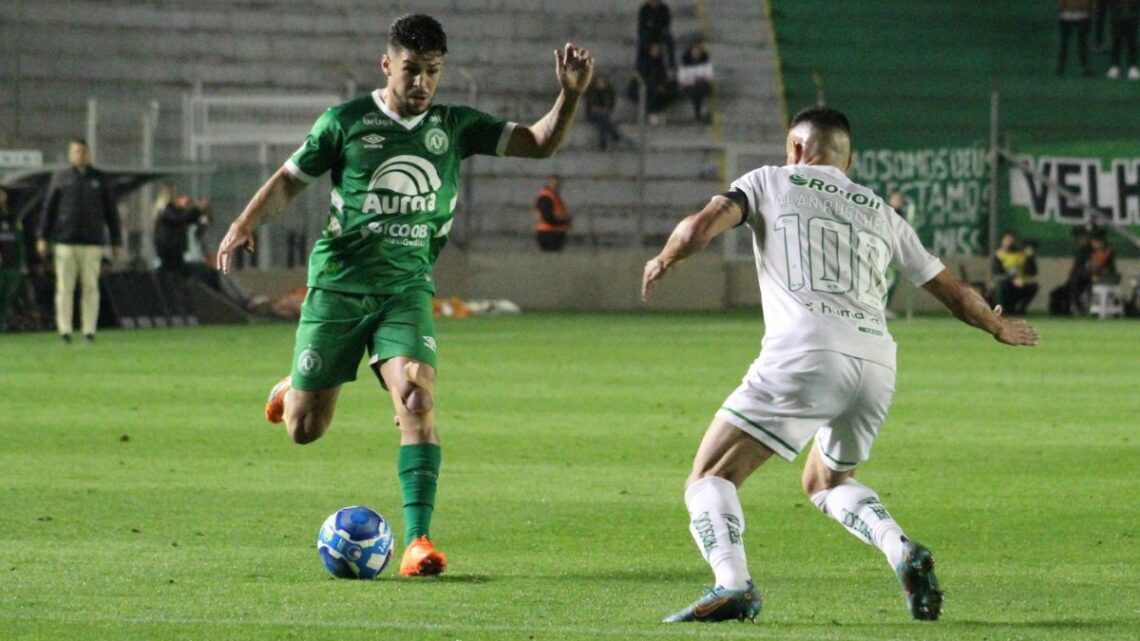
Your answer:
<point x="322" y="150"/>
<point x="481" y="133"/>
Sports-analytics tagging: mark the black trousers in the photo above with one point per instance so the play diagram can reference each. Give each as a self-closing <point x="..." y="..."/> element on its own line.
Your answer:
<point x="551" y="241"/>
<point x="1124" y="37"/>
<point x="1068" y="28"/>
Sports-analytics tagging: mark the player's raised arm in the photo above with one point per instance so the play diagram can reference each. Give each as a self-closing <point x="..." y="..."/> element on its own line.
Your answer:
<point x="968" y="306"/>
<point x="268" y="203"/>
<point x="690" y="236"/>
<point x="574" y="66"/>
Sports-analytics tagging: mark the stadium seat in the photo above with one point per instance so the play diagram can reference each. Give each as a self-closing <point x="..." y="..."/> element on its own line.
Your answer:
<point x="1107" y="301"/>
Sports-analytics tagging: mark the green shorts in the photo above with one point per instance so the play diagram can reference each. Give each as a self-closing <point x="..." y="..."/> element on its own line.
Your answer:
<point x="337" y="327"/>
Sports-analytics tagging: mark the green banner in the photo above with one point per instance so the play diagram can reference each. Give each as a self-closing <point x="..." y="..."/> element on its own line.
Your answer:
<point x="1105" y="177"/>
<point x="946" y="189"/>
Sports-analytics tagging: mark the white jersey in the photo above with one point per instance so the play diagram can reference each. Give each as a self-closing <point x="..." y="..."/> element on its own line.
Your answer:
<point x="823" y="244"/>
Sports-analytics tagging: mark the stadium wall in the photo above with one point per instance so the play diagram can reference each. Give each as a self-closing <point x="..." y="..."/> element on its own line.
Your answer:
<point x="916" y="77"/>
<point x="611" y="280"/>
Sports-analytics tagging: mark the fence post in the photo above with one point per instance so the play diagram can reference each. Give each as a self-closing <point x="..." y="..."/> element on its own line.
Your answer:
<point x="995" y="158"/>
<point x="93" y="128"/>
<point x="146" y="194"/>
<point x="642" y="97"/>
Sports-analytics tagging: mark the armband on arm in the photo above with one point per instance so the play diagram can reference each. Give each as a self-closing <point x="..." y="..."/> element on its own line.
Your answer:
<point x="741" y="201"/>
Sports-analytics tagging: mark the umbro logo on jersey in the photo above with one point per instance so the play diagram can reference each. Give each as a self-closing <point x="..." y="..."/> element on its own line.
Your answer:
<point x="373" y="141"/>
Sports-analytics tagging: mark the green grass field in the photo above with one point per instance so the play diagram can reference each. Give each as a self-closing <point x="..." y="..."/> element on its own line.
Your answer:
<point x="144" y="497"/>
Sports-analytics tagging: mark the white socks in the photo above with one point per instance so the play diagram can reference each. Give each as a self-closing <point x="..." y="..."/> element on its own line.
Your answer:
<point x="858" y="509"/>
<point x="717" y="524"/>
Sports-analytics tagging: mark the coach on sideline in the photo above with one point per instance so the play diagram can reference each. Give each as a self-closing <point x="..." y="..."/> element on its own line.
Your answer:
<point x="76" y="210"/>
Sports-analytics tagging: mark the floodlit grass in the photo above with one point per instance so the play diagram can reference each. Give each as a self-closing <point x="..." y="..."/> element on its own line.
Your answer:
<point x="144" y="497"/>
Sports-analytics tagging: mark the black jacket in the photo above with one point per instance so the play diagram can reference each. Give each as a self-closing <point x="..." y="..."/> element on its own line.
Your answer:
<point x="78" y="209"/>
<point x="170" y="230"/>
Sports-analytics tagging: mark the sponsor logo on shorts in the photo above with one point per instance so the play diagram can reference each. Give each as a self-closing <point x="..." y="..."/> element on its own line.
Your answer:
<point x="429" y="341"/>
<point x="310" y="362"/>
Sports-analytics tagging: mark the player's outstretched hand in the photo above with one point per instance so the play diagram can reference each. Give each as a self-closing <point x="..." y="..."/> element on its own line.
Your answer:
<point x="654" y="271"/>
<point x="237" y="237"/>
<point x="574" y="66"/>
<point x="1015" y="331"/>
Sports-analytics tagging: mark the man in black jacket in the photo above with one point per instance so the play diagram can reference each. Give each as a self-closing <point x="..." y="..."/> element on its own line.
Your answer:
<point x="78" y="212"/>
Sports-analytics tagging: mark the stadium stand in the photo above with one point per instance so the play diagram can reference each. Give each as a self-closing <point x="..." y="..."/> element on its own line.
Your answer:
<point x="128" y="53"/>
<point x="920" y="73"/>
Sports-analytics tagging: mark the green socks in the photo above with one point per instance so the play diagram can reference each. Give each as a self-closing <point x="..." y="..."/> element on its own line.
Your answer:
<point x="418" y="466"/>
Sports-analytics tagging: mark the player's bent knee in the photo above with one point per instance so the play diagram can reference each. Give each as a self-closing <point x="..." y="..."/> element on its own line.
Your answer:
<point x="305" y="429"/>
<point x="419" y="401"/>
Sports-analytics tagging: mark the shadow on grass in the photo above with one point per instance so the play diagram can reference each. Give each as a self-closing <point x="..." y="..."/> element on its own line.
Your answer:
<point x="1047" y="624"/>
<point x="699" y="576"/>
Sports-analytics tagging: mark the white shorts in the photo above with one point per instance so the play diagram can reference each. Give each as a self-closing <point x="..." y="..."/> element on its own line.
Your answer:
<point x="784" y="400"/>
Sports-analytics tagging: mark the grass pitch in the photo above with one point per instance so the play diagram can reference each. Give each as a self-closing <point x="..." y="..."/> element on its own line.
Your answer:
<point x="144" y="497"/>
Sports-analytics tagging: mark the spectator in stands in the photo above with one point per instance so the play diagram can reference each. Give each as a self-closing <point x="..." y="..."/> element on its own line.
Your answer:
<point x="695" y="76"/>
<point x="600" y="102"/>
<point x="1099" y="23"/>
<point x="654" y="25"/>
<point x="1014" y="271"/>
<point x="1125" y="21"/>
<point x="1075" y="16"/>
<point x="11" y="258"/>
<point x="1094" y="263"/>
<point x="78" y="212"/>
<point x="175" y="216"/>
<point x="552" y="222"/>
<point x="654" y="74"/>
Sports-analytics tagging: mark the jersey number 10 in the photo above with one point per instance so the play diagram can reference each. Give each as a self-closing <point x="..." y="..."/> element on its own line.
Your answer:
<point x="838" y="259"/>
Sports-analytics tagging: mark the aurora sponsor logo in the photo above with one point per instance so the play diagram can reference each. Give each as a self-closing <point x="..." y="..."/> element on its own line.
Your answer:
<point x="829" y="188"/>
<point x="402" y="185"/>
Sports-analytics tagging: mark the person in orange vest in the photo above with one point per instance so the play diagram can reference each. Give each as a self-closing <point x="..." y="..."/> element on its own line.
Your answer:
<point x="553" y="221"/>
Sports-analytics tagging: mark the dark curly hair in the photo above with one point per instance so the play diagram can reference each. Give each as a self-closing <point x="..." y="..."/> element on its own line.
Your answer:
<point x="417" y="33"/>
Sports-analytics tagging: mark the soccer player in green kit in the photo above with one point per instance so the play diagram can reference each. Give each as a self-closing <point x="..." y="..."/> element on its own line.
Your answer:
<point x="394" y="158"/>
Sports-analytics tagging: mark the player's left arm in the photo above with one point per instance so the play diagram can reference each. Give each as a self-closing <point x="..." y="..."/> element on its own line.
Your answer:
<point x="574" y="66"/>
<point x="692" y="235"/>
<point x="968" y="306"/>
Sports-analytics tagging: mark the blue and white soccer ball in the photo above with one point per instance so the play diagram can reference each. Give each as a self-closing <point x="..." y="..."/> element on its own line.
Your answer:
<point x="355" y="543"/>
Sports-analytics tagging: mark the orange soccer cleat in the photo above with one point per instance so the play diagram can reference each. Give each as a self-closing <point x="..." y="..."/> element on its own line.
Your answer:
<point x="275" y="406"/>
<point x="422" y="559"/>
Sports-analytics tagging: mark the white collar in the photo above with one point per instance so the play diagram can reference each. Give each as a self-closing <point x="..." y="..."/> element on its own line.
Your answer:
<point x="408" y="123"/>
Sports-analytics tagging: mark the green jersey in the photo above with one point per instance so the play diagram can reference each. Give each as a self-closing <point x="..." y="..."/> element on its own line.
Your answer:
<point x="394" y="189"/>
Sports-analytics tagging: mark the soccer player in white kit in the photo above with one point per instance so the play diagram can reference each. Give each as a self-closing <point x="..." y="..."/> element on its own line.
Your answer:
<point x="826" y="371"/>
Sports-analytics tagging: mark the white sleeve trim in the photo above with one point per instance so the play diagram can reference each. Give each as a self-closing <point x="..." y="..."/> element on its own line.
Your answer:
<point x="292" y="168"/>
<point x="505" y="138"/>
<point x="933" y="269"/>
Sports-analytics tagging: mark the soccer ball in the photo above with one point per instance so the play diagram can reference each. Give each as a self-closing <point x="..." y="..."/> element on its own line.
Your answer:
<point x="355" y="543"/>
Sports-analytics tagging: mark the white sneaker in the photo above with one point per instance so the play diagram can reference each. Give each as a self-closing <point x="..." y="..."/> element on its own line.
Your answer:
<point x="1133" y="73"/>
<point x="1113" y="73"/>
